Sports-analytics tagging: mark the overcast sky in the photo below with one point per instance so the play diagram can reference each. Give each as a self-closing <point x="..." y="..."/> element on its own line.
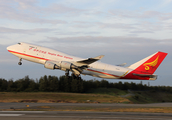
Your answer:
<point x="122" y="30"/>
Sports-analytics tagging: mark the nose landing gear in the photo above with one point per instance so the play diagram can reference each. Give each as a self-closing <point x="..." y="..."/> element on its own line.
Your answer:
<point x="20" y="63"/>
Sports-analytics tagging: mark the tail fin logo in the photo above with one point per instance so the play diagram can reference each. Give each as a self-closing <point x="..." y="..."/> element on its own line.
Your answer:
<point x="153" y="64"/>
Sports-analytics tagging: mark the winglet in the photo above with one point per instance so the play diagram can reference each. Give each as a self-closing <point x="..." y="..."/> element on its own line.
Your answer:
<point x="99" y="57"/>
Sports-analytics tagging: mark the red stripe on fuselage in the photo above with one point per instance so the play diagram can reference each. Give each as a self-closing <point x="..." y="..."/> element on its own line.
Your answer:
<point x="27" y="55"/>
<point x="102" y="72"/>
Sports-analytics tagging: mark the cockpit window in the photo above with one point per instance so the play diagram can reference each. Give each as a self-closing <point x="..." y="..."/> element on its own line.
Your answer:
<point x="19" y="43"/>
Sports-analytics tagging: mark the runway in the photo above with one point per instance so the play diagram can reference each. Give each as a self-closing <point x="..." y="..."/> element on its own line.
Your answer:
<point x="23" y="105"/>
<point x="80" y="115"/>
<point x="68" y="115"/>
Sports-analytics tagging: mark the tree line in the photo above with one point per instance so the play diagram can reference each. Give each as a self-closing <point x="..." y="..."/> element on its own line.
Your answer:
<point x="69" y="84"/>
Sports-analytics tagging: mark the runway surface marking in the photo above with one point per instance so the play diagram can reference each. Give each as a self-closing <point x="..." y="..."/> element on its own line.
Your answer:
<point x="22" y="112"/>
<point x="11" y="115"/>
<point x="83" y="115"/>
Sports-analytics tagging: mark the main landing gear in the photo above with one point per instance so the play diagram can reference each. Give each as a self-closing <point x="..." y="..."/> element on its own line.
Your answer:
<point x="78" y="77"/>
<point x="67" y="73"/>
<point x="72" y="75"/>
<point x="20" y="63"/>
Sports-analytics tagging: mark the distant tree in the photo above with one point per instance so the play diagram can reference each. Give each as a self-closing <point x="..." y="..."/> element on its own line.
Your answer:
<point x="22" y="84"/>
<point x="134" y="86"/>
<point x="77" y="85"/>
<point x="81" y="85"/>
<point x="53" y="83"/>
<point x="69" y="84"/>
<point x="62" y="83"/>
<point x="32" y="87"/>
<point x="3" y="85"/>
<point x="104" y="84"/>
<point x="119" y="85"/>
<point x="43" y="84"/>
<point x="11" y="86"/>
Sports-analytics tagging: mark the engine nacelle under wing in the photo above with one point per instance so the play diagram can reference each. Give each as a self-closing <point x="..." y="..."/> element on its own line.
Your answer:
<point x="51" y="65"/>
<point x="65" y="65"/>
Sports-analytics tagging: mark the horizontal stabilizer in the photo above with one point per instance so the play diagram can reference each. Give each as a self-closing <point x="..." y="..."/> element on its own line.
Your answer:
<point x="152" y="77"/>
<point x="123" y="64"/>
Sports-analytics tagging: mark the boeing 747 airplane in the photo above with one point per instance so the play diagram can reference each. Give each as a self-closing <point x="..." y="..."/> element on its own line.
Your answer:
<point x="52" y="59"/>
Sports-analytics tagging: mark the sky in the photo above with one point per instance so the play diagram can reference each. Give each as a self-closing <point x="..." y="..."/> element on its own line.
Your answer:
<point x="125" y="31"/>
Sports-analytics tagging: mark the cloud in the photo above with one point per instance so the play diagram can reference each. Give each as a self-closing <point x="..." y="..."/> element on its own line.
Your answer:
<point x="4" y="30"/>
<point x="26" y="11"/>
<point x="132" y="45"/>
<point x="59" y="9"/>
<point x="26" y="3"/>
<point x="149" y="16"/>
<point x="76" y="33"/>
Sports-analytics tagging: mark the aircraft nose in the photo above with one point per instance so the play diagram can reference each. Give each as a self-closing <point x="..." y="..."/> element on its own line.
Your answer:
<point x="10" y="47"/>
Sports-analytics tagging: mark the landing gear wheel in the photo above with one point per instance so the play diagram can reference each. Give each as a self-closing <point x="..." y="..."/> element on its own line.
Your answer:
<point x="67" y="73"/>
<point x="73" y="76"/>
<point x="19" y="63"/>
<point x="78" y="77"/>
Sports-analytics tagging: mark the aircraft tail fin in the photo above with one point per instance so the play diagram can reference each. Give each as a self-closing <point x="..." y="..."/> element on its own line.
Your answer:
<point x="149" y="64"/>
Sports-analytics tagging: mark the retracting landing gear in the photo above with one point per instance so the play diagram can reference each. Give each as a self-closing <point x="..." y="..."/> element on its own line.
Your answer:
<point x="20" y="63"/>
<point x="72" y="75"/>
<point x="67" y="73"/>
<point x="76" y="76"/>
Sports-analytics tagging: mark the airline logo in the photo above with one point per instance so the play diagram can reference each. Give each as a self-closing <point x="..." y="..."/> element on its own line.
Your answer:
<point x="152" y="64"/>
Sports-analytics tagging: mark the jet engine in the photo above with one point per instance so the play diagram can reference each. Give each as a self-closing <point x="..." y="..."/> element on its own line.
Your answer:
<point x="64" y="65"/>
<point x="50" y="65"/>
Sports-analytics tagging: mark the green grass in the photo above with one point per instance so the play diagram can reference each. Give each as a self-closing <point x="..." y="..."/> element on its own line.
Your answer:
<point x="150" y="97"/>
<point x="47" y="97"/>
<point x="108" y="91"/>
<point x="100" y="95"/>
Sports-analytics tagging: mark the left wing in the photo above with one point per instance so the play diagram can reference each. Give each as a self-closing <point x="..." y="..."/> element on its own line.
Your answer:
<point x="90" y="60"/>
<point x="78" y="66"/>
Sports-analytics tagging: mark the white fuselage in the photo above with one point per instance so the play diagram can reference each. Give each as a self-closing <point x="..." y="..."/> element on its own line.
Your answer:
<point x="40" y="55"/>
